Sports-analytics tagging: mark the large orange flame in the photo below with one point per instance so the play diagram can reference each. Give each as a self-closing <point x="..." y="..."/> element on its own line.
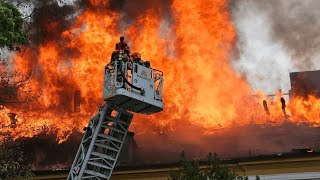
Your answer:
<point x="192" y="49"/>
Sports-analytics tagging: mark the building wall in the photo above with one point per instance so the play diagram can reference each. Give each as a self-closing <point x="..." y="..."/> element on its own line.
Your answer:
<point x="305" y="83"/>
<point x="289" y="168"/>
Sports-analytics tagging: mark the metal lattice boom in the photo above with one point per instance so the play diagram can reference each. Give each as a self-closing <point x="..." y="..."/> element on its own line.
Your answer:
<point x="101" y="144"/>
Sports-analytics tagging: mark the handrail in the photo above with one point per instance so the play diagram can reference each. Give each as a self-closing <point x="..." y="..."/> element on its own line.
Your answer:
<point x="121" y="66"/>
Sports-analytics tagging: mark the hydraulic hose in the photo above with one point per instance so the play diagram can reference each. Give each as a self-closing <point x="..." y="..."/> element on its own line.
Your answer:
<point x="127" y="82"/>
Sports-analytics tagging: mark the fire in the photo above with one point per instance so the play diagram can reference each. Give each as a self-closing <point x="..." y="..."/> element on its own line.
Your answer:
<point x="192" y="48"/>
<point x="307" y="111"/>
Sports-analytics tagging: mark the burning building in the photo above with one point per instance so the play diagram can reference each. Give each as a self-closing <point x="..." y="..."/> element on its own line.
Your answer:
<point x="305" y="83"/>
<point x="208" y="104"/>
<point x="65" y="61"/>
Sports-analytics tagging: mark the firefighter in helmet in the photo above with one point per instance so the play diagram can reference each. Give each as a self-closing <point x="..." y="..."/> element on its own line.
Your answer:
<point x="123" y="49"/>
<point x="136" y="57"/>
<point x="123" y="46"/>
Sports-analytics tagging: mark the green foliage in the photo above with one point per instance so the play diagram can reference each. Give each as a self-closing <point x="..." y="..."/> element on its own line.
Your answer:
<point x="11" y="27"/>
<point x="189" y="170"/>
<point x="215" y="170"/>
<point x="13" y="165"/>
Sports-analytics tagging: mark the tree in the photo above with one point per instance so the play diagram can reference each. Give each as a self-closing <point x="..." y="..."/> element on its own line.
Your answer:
<point x="12" y="35"/>
<point x="13" y="164"/>
<point x="11" y="27"/>
<point x="215" y="170"/>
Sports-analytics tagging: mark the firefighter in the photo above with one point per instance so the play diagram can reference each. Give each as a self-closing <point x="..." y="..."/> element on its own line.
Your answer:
<point x="265" y="106"/>
<point x="122" y="52"/>
<point x="123" y="46"/>
<point x="283" y="106"/>
<point x="147" y="64"/>
<point x="136" y="57"/>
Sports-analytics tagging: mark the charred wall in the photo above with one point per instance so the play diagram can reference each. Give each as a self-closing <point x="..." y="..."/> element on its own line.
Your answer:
<point x="305" y="83"/>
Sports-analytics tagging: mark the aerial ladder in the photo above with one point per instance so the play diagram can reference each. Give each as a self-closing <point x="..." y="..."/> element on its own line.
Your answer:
<point x="129" y="86"/>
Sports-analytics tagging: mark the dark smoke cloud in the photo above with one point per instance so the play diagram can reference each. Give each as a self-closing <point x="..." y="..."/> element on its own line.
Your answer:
<point x="50" y="20"/>
<point x="275" y="37"/>
<point x="131" y="10"/>
<point x="295" y="24"/>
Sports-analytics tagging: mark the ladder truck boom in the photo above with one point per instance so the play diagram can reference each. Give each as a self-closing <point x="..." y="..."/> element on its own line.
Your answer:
<point x="128" y="85"/>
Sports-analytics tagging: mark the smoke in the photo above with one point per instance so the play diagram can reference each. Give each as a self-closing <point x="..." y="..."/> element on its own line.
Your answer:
<point x="131" y="10"/>
<point x="275" y="37"/>
<point x="132" y="14"/>
<point x="295" y="24"/>
<point x="51" y="18"/>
